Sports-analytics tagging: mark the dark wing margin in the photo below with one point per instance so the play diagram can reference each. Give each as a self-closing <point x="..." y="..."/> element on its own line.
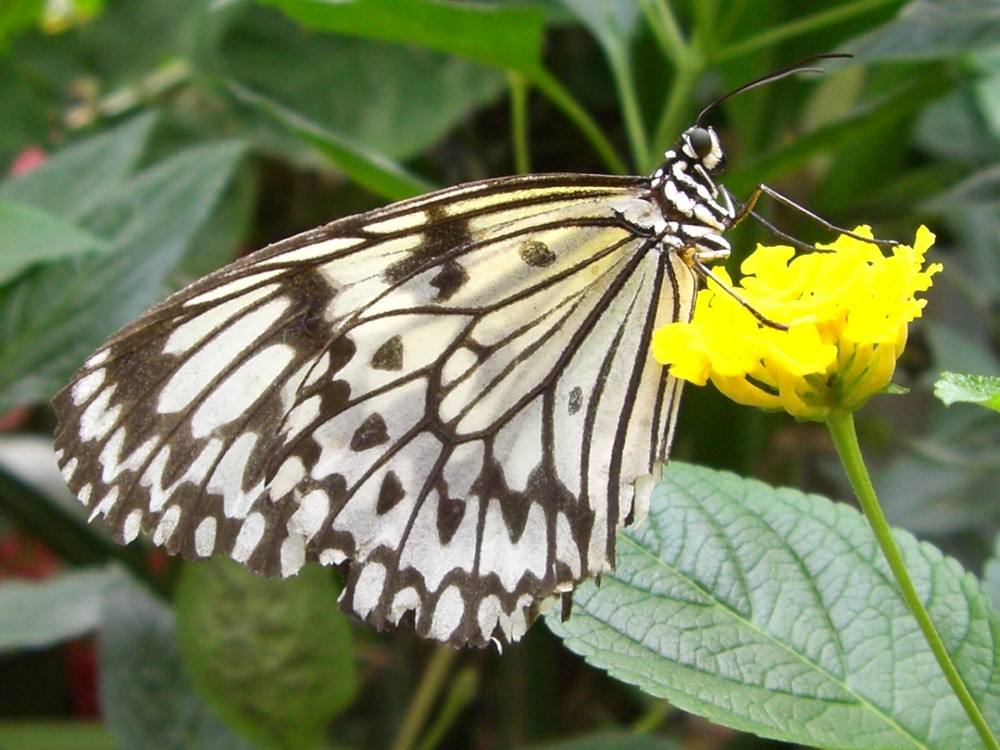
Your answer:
<point x="453" y="393"/>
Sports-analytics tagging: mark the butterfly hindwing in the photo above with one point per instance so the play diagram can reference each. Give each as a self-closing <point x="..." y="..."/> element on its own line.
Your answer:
<point x="441" y="392"/>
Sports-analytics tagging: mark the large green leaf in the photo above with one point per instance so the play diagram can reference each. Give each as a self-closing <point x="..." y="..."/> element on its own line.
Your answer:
<point x="389" y="99"/>
<point x="508" y="37"/>
<point x="273" y="657"/>
<point x="146" y="696"/>
<point x="774" y="612"/>
<point x="54" y="316"/>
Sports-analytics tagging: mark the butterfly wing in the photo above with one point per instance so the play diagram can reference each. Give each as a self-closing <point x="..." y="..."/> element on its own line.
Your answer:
<point x="455" y="393"/>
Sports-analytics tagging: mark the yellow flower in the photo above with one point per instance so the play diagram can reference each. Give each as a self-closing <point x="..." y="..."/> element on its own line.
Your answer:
<point x="847" y="312"/>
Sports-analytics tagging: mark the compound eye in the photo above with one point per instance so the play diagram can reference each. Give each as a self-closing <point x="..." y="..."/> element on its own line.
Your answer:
<point x="701" y="142"/>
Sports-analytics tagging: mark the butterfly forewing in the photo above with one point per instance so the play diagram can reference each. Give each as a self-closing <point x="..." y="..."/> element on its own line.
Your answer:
<point x="454" y="393"/>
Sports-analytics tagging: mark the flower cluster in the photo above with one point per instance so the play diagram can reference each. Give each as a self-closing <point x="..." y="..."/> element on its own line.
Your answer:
<point x="847" y="308"/>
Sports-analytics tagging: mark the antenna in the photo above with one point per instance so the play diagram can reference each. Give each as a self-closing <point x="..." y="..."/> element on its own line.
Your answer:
<point x="798" y="67"/>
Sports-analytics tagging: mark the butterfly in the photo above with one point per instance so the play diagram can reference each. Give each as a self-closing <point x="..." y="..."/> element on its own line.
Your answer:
<point x="454" y="394"/>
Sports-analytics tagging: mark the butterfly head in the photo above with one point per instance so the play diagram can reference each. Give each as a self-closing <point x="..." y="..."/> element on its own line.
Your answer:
<point x="701" y="146"/>
<point x="685" y="189"/>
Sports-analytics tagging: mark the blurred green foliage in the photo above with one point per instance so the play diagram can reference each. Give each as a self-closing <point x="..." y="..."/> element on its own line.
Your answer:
<point x="174" y="135"/>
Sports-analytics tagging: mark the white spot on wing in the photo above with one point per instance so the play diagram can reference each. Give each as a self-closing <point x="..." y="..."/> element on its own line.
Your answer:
<point x="99" y="358"/>
<point x="287" y="478"/>
<point x="405" y="600"/>
<point x="204" y="537"/>
<point x="87" y="386"/>
<point x="248" y="537"/>
<point x="447" y="614"/>
<point x="369" y="588"/>
<point x="69" y="468"/>
<point x="131" y="525"/>
<point x="107" y="503"/>
<point x="113" y="465"/>
<point x="331" y="556"/>
<point x="293" y="555"/>
<point x="311" y="513"/>
<point x="488" y="615"/>
<point x="167" y="525"/>
<point x="97" y="419"/>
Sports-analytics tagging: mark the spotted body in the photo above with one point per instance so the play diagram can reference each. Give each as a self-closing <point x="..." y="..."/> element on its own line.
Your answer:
<point x="454" y="394"/>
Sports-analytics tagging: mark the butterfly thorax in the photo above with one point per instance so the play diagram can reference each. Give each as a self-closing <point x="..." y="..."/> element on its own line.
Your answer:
<point x="695" y="209"/>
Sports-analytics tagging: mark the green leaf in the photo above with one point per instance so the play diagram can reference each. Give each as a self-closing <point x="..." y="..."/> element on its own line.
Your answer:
<point x="29" y="236"/>
<point x="54" y="316"/>
<point x="146" y="696"/>
<point x="953" y="388"/>
<point x="78" y="179"/>
<point x="390" y="99"/>
<point x="372" y="170"/>
<point x="774" y="612"/>
<point x="931" y="29"/>
<point x="507" y="37"/>
<point x="35" y="614"/>
<point x="251" y="643"/>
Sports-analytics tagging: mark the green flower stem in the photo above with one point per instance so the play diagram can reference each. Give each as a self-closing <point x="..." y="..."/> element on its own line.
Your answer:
<point x="845" y="439"/>
<point x="432" y="682"/>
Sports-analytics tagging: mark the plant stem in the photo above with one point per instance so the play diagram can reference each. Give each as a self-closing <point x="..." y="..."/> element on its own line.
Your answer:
<point x="621" y="71"/>
<point x="845" y="438"/>
<point x="431" y="684"/>
<point x="559" y="96"/>
<point x="676" y="108"/>
<point x="519" y="121"/>
<point x="665" y="29"/>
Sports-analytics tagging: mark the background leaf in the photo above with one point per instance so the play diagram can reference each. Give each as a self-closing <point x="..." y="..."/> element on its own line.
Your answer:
<point x="953" y="388"/>
<point x="43" y="613"/>
<point x="32" y="237"/>
<point x="146" y="694"/>
<point x="151" y="221"/>
<point x="274" y="657"/>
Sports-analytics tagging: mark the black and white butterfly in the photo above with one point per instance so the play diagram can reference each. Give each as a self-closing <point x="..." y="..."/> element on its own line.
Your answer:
<point x="455" y="393"/>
